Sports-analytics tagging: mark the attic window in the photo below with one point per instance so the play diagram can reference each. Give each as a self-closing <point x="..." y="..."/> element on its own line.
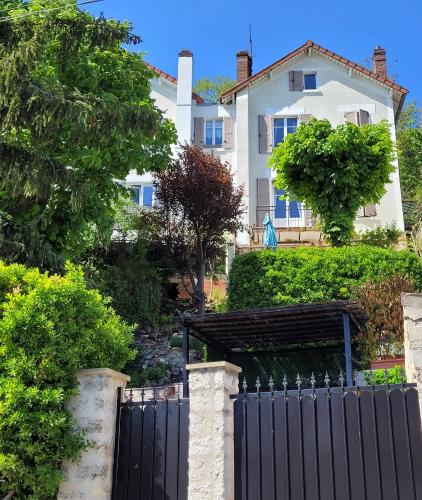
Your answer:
<point x="309" y="81"/>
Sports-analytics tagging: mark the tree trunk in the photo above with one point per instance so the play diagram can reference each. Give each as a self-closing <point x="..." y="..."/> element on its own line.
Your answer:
<point x="201" y="286"/>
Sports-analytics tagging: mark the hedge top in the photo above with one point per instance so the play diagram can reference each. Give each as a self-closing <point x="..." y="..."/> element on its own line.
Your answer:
<point x="312" y="274"/>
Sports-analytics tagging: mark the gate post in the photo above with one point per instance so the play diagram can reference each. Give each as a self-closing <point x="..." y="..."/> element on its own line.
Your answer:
<point x="412" y="315"/>
<point x="211" y="440"/>
<point x="94" y="409"/>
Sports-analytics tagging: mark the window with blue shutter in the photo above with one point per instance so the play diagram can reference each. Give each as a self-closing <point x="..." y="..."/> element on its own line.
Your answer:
<point x="147" y="200"/>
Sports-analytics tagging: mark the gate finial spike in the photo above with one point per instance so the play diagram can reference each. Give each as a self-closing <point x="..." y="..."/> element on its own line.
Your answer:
<point x="313" y="381"/>
<point x="341" y="378"/>
<point x="244" y="385"/>
<point x="355" y="378"/>
<point x="258" y="385"/>
<point x="371" y="377"/>
<point x="386" y="376"/>
<point x="271" y="384"/>
<point x="327" y="380"/>
<point x="285" y="383"/>
<point x="298" y="382"/>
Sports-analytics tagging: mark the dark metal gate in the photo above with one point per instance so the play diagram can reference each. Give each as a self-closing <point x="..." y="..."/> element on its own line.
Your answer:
<point x="334" y="443"/>
<point x="151" y="458"/>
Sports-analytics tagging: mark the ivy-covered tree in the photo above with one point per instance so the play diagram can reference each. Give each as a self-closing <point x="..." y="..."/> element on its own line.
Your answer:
<point x="409" y="151"/>
<point x="75" y="115"/>
<point x="334" y="171"/>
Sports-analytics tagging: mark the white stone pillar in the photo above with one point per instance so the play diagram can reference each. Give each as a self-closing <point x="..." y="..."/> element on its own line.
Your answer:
<point x="412" y="314"/>
<point x="94" y="410"/>
<point x="211" y="443"/>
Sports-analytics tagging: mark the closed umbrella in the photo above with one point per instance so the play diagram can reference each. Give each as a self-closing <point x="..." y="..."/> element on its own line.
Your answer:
<point x="270" y="238"/>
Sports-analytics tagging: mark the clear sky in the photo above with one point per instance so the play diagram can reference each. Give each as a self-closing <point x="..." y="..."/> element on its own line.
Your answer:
<point x="214" y="30"/>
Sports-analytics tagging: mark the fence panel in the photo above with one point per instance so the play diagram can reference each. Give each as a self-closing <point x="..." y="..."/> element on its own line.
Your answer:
<point x="151" y="460"/>
<point x="351" y="443"/>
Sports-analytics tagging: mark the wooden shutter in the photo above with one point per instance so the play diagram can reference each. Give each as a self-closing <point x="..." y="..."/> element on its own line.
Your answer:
<point x="291" y="80"/>
<point x="305" y="118"/>
<point x="367" y="211"/>
<point x="363" y="117"/>
<point x="198" y="131"/>
<point x="370" y="210"/>
<point x="263" y="195"/>
<point x="228" y="133"/>
<point x="298" y="76"/>
<point x="295" y="80"/>
<point x="352" y="117"/>
<point x="265" y="134"/>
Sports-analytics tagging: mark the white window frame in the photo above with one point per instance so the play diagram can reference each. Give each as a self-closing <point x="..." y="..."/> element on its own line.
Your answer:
<point x="213" y="144"/>
<point x="285" y="125"/>
<point x="311" y="72"/>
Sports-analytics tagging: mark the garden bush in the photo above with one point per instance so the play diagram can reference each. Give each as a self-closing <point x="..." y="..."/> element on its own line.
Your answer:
<point x="395" y="375"/>
<point x="50" y="326"/>
<point x="310" y="274"/>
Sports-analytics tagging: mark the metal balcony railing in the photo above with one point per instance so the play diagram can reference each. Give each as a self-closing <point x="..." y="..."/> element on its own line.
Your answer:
<point x="290" y="216"/>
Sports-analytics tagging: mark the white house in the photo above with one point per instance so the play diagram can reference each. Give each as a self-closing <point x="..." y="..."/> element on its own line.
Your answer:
<point x="263" y="108"/>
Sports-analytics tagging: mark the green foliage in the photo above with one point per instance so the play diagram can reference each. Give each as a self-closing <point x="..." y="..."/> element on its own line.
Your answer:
<point x="384" y="237"/>
<point x="142" y="376"/>
<point x="394" y="375"/>
<point x="335" y="171"/>
<point x="409" y="149"/>
<point x="211" y="89"/>
<point x="76" y="114"/>
<point x="309" y="274"/>
<point x="50" y="326"/>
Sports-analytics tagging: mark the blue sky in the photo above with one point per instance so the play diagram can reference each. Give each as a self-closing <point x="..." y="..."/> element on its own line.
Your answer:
<point x="216" y="29"/>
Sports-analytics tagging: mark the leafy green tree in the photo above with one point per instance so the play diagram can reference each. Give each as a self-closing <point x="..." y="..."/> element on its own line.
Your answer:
<point x="335" y="171"/>
<point x="75" y="115"/>
<point x="211" y="89"/>
<point x="50" y="326"/>
<point x="409" y="150"/>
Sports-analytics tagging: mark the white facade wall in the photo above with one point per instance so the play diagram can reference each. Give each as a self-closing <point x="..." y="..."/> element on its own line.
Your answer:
<point x="339" y="91"/>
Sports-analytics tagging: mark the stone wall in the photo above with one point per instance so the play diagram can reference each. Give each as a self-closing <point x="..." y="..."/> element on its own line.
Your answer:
<point x="94" y="409"/>
<point x="412" y="315"/>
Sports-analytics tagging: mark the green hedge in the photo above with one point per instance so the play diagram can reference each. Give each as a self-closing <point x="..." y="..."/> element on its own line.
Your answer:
<point x="309" y="274"/>
<point x="50" y="326"/>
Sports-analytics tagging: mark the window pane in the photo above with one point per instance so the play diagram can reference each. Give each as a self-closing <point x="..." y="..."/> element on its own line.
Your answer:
<point x="280" y="205"/>
<point x="147" y="201"/>
<point x="136" y="192"/>
<point x="291" y="125"/>
<point x="208" y="133"/>
<point x="278" y="122"/>
<point x="310" y="81"/>
<point x="278" y="135"/>
<point x="218" y="132"/>
<point x="294" y="209"/>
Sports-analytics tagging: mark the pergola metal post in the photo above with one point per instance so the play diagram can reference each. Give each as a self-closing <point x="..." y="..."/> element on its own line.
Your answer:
<point x="347" y="347"/>
<point x="186" y="359"/>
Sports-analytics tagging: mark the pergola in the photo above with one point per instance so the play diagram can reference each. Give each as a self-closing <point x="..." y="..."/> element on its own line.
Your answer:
<point x="274" y="329"/>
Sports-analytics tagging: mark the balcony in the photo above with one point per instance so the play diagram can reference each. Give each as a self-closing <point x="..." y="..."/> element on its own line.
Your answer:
<point x="295" y="226"/>
<point x="287" y="217"/>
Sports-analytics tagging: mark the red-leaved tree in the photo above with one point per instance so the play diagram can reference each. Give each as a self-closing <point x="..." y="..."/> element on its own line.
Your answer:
<point x="197" y="204"/>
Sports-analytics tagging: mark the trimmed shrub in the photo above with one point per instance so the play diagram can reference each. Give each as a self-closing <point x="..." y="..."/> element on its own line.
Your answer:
<point x="395" y="375"/>
<point x="311" y="274"/>
<point x="50" y="326"/>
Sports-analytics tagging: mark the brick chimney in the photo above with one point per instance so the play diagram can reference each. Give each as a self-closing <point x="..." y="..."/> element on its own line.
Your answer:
<point x="244" y="65"/>
<point x="380" y="62"/>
